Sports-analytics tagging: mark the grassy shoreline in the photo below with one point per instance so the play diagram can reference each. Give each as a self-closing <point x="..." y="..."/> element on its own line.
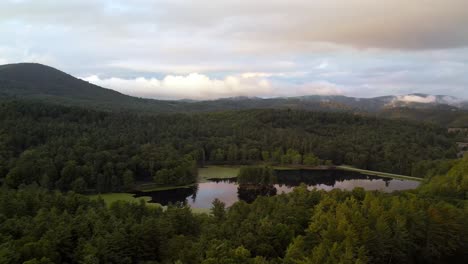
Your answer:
<point x="378" y="173"/>
<point x="154" y="187"/>
<point x="217" y="172"/>
<point x="227" y="172"/>
<point x="109" y="198"/>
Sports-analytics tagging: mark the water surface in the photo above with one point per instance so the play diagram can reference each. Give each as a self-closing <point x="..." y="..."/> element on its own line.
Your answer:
<point x="229" y="191"/>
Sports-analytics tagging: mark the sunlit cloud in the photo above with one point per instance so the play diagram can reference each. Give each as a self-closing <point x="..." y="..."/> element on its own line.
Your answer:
<point x="191" y="86"/>
<point x="416" y="99"/>
<point x="356" y="47"/>
<point x="199" y="86"/>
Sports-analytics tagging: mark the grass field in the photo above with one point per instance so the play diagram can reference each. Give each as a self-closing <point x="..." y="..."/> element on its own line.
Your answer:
<point x="204" y="174"/>
<point x="378" y="173"/>
<point x="109" y="198"/>
<point x="210" y="172"/>
<point x="217" y="172"/>
<point x="152" y="187"/>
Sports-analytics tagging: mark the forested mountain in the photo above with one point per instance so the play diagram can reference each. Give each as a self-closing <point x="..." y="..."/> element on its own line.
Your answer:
<point x="60" y="136"/>
<point x="441" y="115"/>
<point x="40" y="82"/>
<point x="81" y="149"/>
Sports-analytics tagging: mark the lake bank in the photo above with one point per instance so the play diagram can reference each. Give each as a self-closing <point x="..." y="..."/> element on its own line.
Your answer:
<point x="229" y="191"/>
<point x="378" y="173"/>
<point x="220" y="182"/>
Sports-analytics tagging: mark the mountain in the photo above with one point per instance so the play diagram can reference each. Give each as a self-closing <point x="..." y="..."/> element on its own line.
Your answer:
<point x="36" y="81"/>
<point x="40" y="82"/>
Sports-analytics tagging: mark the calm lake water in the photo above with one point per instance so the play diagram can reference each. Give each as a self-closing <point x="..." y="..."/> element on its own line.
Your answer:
<point x="229" y="191"/>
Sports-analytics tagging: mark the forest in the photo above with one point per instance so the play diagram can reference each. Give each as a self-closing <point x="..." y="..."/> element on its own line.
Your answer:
<point x="89" y="151"/>
<point x="426" y="225"/>
<point x="51" y="155"/>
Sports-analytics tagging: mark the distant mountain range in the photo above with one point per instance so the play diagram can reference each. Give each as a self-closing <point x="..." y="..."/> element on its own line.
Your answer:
<point x="40" y="82"/>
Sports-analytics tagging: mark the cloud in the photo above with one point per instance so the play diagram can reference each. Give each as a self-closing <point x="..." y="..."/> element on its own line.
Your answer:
<point x="199" y="86"/>
<point x="356" y="47"/>
<point x="261" y="24"/>
<point x="14" y="54"/>
<point x="191" y="86"/>
<point x="257" y="74"/>
<point x="417" y="99"/>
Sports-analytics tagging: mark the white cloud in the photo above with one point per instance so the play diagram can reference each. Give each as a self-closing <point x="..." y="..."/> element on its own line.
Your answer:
<point x="192" y="86"/>
<point x="23" y="54"/>
<point x="356" y="47"/>
<point x="323" y="65"/>
<point x="199" y="86"/>
<point x="417" y="99"/>
<point x="256" y="74"/>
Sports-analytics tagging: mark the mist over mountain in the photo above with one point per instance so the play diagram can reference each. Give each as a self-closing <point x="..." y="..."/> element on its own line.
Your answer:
<point x="40" y="82"/>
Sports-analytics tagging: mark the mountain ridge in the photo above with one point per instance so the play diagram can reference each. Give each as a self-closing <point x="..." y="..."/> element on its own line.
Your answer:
<point x="41" y="82"/>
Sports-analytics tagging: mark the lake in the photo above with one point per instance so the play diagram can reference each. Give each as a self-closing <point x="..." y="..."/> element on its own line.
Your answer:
<point x="229" y="191"/>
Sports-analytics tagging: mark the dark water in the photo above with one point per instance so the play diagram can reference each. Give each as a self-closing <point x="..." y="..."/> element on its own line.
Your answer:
<point x="229" y="191"/>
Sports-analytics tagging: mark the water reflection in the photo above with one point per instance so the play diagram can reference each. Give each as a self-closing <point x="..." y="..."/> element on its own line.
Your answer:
<point x="249" y="192"/>
<point x="229" y="191"/>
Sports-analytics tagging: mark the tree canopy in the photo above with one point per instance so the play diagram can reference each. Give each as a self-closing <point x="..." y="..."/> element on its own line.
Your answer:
<point x="71" y="148"/>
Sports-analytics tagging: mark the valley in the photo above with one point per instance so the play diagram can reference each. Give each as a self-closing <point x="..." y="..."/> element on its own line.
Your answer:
<point x="233" y="132"/>
<point x="85" y="170"/>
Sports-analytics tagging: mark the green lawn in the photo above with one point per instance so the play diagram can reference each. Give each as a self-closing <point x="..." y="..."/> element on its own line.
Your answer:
<point x="378" y="173"/>
<point x="283" y="168"/>
<point x="209" y="172"/>
<point x="217" y="172"/>
<point x="109" y="198"/>
<point x="152" y="187"/>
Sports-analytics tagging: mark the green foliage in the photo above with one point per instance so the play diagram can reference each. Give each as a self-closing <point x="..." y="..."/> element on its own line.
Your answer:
<point x="218" y="210"/>
<point x="311" y="160"/>
<point x="430" y="168"/>
<point x="47" y="147"/>
<point x="453" y="185"/>
<point x="422" y="226"/>
<point x="54" y="146"/>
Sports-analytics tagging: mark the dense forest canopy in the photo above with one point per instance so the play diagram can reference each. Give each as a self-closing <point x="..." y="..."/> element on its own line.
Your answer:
<point x="49" y="148"/>
<point x="427" y="225"/>
<point x="69" y="148"/>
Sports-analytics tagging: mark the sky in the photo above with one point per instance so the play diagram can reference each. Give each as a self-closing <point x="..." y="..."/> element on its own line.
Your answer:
<point x="205" y="49"/>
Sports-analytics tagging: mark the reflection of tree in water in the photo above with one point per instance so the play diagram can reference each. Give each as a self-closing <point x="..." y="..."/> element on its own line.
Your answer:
<point x="255" y="181"/>
<point x="195" y="191"/>
<point x="387" y="181"/>
<point x="228" y="180"/>
<point x="249" y="192"/>
<point x="292" y="178"/>
<point x="173" y="196"/>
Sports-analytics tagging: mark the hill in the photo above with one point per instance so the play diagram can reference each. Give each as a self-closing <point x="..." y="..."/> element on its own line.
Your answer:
<point x="40" y="82"/>
<point x="37" y="81"/>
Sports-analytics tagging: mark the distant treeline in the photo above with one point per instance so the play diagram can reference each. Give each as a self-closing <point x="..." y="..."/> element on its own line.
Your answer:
<point x="71" y="148"/>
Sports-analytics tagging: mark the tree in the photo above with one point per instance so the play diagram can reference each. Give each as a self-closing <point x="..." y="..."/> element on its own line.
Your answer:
<point x="128" y="180"/>
<point x="218" y="210"/>
<point x="311" y="160"/>
<point x="79" y="185"/>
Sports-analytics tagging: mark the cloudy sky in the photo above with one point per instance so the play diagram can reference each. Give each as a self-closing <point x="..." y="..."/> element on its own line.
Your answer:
<point x="204" y="49"/>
